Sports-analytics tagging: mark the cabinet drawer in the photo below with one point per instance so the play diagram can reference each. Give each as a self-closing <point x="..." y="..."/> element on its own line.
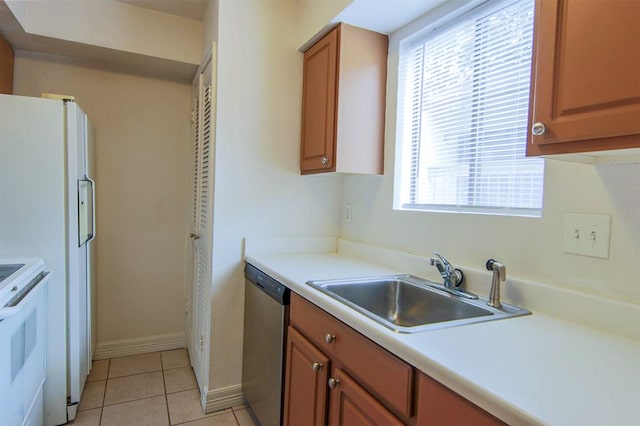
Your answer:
<point x="381" y="373"/>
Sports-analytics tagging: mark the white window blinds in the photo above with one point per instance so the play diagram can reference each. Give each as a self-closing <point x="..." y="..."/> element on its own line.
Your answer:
<point x="462" y="115"/>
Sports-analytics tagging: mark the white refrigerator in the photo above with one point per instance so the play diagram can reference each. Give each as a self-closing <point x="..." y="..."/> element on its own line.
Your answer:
<point x="47" y="203"/>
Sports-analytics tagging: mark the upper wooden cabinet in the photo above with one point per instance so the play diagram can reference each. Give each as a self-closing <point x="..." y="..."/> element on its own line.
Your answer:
<point x="343" y="102"/>
<point x="6" y="67"/>
<point x="585" y="76"/>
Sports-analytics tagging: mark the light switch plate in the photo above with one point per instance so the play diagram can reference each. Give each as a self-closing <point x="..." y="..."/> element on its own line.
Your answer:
<point x="587" y="234"/>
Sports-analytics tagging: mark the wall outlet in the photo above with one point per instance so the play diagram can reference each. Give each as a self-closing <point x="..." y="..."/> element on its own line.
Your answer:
<point x="347" y="212"/>
<point x="587" y="234"/>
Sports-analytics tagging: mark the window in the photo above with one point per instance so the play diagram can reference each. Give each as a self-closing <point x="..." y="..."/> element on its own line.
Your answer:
<point x="463" y="101"/>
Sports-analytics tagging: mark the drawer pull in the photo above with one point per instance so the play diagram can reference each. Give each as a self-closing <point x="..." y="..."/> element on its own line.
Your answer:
<point x="316" y="366"/>
<point x="333" y="383"/>
<point x="330" y="338"/>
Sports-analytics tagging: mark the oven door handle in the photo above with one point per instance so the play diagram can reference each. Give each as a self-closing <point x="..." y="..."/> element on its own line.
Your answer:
<point x="15" y="305"/>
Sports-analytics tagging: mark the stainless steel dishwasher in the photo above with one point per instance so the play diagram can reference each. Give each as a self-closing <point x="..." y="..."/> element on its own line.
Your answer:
<point x="266" y="316"/>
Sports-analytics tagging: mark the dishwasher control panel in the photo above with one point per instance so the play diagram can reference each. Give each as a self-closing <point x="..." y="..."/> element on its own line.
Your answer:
<point x="269" y="285"/>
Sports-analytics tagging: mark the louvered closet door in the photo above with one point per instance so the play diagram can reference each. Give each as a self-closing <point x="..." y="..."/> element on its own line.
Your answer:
<point x="200" y="306"/>
<point x="193" y="247"/>
<point x="201" y="234"/>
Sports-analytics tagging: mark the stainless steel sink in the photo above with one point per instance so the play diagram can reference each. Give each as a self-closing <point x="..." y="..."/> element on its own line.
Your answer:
<point x="408" y="304"/>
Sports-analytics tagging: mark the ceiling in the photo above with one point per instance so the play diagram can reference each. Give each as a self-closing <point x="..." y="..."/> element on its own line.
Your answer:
<point x="192" y="9"/>
<point x="385" y="16"/>
<point x="177" y="62"/>
<point x="379" y="15"/>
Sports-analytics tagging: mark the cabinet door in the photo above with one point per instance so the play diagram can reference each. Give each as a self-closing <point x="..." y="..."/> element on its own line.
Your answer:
<point x="439" y="405"/>
<point x="305" y="389"/>
<point x="586" y="76"/>
<point x="319" y="105"/>
<point x="351" y="405"/>
<point x="6" y="67"/>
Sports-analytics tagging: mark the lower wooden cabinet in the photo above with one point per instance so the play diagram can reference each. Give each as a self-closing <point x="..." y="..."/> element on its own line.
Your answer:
<point x="307" y="383"/>
<point x="336" y="376"/>
<point x="363" y="359"/>
<point x="439" y="405"/>
<point x="351" y="405"/>
<point x="305" y="388"/>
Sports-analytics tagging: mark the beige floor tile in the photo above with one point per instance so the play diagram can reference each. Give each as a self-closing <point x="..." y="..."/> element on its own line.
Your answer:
<point x="144" y="412"/>
<point x="175" y="359"/>
<point x="130" y="388"/>
<point x="135" y="364"/>
<point x="240" y="406"/>
<point x="180" y="379"/>
<point x="87" y="418"/>
<point x="221" y="418"/>
<point x="92" y="395"/>
<point x="185" y="406"/>
<point x="99" y="370"/>
<point x="245" y="418"/>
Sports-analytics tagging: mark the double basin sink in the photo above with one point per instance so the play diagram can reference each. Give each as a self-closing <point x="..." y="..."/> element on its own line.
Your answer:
<point x="408" y="304"/>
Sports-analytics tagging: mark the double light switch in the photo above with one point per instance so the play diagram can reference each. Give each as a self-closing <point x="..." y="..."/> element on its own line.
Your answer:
<point x="587" y="234"/>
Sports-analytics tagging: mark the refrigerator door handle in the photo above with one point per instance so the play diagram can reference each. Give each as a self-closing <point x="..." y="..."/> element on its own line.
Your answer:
<point x="86" y="211"/>
<point x="92" y="214"/>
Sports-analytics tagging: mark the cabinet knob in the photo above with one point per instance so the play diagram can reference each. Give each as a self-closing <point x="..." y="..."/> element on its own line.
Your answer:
<point x="538" y="129"/>
<point x="316" y="366"/>
<point x="333" y="383"/>
<point x="330" y="338"/>
<point x="194" y="236"/>
<point x="324" y="161"/>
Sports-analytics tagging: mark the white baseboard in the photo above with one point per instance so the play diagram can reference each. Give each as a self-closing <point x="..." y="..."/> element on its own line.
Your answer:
<point x="220" y="399"/>
<point x="141" y="345"/>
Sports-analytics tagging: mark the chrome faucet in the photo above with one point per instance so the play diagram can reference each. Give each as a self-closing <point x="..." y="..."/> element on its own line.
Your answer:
<point x="499" y="274"/>
<point x="452" y="277"/>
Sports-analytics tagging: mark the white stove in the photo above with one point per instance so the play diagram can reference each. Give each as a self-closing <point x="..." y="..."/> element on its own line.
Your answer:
<point x="23" y="286"/>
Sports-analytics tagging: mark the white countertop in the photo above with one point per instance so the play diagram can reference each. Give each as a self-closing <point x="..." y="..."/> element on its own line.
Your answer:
<point x="526" y="370"/>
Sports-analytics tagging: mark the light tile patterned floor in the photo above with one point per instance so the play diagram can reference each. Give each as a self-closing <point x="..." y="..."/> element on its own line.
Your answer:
<point x="154" y="389"/>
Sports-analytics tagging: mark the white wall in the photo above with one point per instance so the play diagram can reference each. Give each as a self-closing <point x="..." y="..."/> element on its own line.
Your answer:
<point x="259" y="190"/>
<point x="530" y="247"/>
<point x="315" y="14"/>
<point x="142" y="187"/>
<point x="209" y="28"/>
